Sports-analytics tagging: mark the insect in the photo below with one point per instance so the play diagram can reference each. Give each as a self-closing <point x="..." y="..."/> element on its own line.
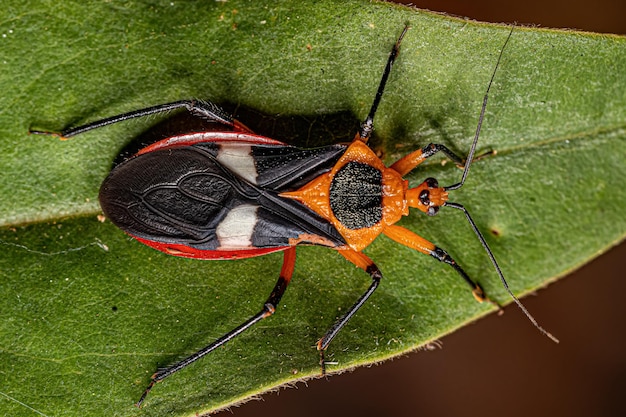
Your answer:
<point x="233" y="194"/>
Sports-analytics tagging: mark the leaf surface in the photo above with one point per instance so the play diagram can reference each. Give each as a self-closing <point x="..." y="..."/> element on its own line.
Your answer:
<point x="88" y="313"/>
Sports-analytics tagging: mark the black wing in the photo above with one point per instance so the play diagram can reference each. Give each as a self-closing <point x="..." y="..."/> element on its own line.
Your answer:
<point x="218" y="196"/>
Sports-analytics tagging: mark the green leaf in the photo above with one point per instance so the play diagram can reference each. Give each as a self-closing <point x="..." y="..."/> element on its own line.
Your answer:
<point x="88" y="313"/>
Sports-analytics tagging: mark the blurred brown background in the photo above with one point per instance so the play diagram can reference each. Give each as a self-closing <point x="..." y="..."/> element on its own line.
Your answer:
<point x="501" y="365"/>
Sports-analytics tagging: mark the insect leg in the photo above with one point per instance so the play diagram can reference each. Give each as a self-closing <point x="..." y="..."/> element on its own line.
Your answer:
<point x="204" y="109"/>
<point x="368" y="124"/>
<point x="268" y="309"/>
<point x="407" y="163"/>
<point x="414" y="241"/>
<point x="362" y="261"/>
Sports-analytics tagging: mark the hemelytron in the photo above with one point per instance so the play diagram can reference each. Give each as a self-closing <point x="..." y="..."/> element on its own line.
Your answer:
<point x="233" y="194"/>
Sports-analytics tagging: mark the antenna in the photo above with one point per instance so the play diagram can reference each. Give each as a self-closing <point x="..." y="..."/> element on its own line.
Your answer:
<point x="470" y="156"/>
<point x="499" y="271"/>
<point x="468" y="163"/>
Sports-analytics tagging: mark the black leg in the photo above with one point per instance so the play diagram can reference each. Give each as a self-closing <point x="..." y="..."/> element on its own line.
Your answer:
<point x="268" y="309"/>
<point x="368" y="124"/>
<point x="204" y="109"/>
<point x="414" y="241"/>
<point x="443" y="256"/>
<point x="434" y="148"/>
<point x="365" y="263"/>
<point x="409" y="162"/>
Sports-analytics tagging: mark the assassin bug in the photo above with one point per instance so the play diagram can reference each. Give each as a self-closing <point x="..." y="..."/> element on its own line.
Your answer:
<point x="233" y="194"/>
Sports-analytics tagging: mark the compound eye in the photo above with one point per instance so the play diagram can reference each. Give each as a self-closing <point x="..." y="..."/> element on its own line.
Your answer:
<point x="432" y="210"/>
<point x="431" y="182"/>
<point x="425" y="197"/>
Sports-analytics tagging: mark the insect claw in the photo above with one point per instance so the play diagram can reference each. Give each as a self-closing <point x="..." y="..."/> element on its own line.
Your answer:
<point x="43" y="132"/>
<point x="486" y="154"/>
<point x="322" y="362"/>
<point x="480" y="296"/>
<point x="145" y="394"/>
<point x="496" y="304"/>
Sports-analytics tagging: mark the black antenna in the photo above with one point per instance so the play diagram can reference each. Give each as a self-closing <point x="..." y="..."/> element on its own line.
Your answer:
<point x="498" y="270"/>
<point x="468" y="163"/>
<point x="470" y="156"/>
